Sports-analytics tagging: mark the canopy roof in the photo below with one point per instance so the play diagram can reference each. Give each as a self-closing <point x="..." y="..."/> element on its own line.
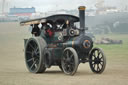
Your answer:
<point x="52" y="18"/>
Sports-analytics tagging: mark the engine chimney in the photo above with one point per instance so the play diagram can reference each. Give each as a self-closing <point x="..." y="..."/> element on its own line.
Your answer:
<point x="82" y="17"/>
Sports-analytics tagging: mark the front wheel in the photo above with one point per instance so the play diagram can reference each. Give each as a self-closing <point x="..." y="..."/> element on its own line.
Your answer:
<point x="70" y="61"/>
<point x="97" y="60"/>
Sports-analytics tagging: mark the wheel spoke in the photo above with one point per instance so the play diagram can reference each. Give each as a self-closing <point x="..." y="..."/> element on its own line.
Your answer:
<point x="94" y="55"/>
<point x="31" y="46"/>
<point x="30" y="59"/>
<point x="64" y="59"/>
<point x="101" y="57"/>
<point x="94" y="65"/>
<point x="35" y="46"/>
<point x="33" y="64"/>
<point x="98" y="68"/>
<point x="70" y="68"/>
<point x="65" y="66"/>
<point x="68" y="54"/>
<point x="38" y="53"/>
<point x="101" y="65"/>
<point x="36" y="66"/>
<point x="71" y="63"/>
<point x="101" y="61"/>
<point x="37" y="49"/>
<point x="92" y="60"/>
<point x="37" y="61"/>
<point x="98" y="54"/>
<point x="29" y="52"/>
<point x="71" y="56"/>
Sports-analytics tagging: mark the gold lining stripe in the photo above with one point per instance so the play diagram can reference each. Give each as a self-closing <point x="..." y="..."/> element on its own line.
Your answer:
<point x="82" y="8"/>
<point x="73" y="42"/>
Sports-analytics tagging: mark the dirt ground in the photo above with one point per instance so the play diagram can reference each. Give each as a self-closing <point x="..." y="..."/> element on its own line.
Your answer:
<point x="13" y="70"/>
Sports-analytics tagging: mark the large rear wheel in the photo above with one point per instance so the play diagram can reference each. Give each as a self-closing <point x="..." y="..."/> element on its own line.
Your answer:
<point x="70" y="61"/>
<point x="34" y="49"/>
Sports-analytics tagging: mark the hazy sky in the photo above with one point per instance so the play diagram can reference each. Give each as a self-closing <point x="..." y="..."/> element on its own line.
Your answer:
<point x="49" y="5"/>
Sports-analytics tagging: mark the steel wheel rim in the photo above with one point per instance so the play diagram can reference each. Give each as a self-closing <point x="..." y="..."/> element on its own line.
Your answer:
<point x="68" y="62"/>
<point x="97" y="61"/>
<point x="32" y="55"/>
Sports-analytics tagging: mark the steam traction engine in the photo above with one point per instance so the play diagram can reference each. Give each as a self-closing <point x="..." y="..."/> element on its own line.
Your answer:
<point x="60" y="43"/>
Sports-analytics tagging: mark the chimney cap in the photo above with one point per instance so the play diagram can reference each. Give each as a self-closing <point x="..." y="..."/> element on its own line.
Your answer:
<point x="82" y="8"/>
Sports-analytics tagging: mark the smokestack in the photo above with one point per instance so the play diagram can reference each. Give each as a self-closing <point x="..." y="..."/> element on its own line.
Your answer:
<point x="82" y="16"/>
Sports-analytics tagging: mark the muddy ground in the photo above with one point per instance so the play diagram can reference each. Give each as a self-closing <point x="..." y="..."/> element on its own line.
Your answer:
<point x="13" y="70"/>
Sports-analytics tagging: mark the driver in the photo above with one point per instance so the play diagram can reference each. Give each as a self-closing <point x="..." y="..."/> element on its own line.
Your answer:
<point x="49" y="31"/>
